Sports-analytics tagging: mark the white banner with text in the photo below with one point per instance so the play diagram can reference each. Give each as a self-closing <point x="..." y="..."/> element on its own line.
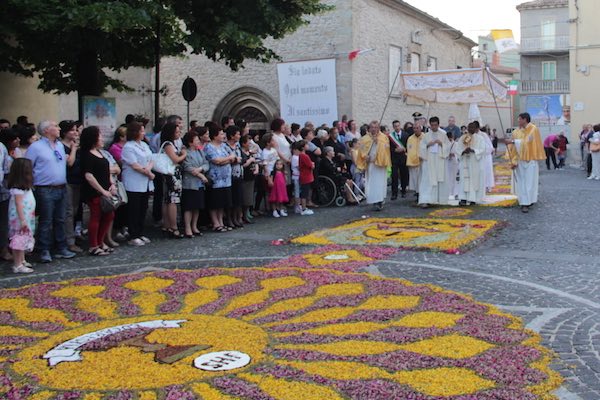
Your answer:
<point x="308" y="92"/>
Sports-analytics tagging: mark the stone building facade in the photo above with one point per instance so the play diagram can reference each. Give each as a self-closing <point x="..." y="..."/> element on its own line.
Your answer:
<point x="402" y="37"/>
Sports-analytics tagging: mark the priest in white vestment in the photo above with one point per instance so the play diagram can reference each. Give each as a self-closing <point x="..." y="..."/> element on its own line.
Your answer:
<point x="452" y="167"/>
<point x="471" y="149"/>
<point x="434" y="152"/>
<point x="524" y="152"/>
<point x="374" y="157"/>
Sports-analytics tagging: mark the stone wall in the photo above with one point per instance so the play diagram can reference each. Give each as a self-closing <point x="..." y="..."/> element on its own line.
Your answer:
<point x="379" y="25"/>
<point x="325" y="36"/>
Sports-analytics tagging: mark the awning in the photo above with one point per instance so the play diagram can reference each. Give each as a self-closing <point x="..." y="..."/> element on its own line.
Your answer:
<point x="459" y="86"/>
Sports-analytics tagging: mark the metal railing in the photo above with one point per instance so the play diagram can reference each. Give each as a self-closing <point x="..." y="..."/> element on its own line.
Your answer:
<point x="557" y="86"/>
<point x="545" y="43"/>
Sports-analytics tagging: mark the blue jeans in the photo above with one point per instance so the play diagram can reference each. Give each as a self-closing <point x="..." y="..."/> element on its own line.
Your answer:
<point x="51" y="207"/>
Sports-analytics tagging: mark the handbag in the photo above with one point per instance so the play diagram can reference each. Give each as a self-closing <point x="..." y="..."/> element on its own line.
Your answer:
<point x="162" y="163"/>
<point x="594" y="147"/>
<point x="122" y="193"/>
<point x="23" y="241"/>
<point x="109" y="204"/>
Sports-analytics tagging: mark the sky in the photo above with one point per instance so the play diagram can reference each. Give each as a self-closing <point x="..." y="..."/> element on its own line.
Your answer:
<point x="474" y="17"/>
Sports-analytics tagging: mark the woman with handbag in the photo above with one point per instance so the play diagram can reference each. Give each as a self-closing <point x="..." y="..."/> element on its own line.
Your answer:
<point x="195" y="168"/>
<point x="121" y="211"/>
<point x="137" y="178"/>
<point x="595" y="152"/>
<point x="219" y="195"/>
<point x="96" y="184"/>
<point x="172" y="183"/>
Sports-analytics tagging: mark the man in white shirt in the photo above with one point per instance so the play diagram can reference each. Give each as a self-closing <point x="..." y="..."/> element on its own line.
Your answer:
<point x="434" y="152"/>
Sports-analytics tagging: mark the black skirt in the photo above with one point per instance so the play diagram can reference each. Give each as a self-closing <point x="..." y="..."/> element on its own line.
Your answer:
<point x="192" y="200"/>
<point x="237" y="192"/>
<point x="218" y="198"/>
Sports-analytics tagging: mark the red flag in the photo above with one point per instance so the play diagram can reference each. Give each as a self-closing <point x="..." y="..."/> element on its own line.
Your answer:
<point x="353" y="54"/>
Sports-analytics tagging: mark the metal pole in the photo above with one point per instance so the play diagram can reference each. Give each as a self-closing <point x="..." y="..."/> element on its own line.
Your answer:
<point x="493" y="95"/>
<point x="390" y="94"/>
<point x="157" y="74"/>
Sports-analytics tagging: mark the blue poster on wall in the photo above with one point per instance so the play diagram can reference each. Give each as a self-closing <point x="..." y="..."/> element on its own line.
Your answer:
<point x="548" y="109"/>
<point x="101" y="112"/>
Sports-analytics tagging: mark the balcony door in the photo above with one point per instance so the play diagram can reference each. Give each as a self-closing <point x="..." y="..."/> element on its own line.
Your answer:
<point x="548" y="34"/>
<point x="549" y="70"/>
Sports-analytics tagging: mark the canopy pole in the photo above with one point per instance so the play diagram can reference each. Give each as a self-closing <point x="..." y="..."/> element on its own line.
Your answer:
<point x="387" y="102"/>
<point x="487" y="71"/>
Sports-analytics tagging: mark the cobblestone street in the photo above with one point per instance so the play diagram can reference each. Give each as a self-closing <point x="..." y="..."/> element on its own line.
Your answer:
<point x="541" y="266"/>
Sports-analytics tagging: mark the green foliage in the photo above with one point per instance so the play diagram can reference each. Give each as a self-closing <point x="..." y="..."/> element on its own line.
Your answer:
<point x="71" y="43"/>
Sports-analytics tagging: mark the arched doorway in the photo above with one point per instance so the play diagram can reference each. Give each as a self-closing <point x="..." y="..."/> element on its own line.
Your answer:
<point x="251" y="104"/>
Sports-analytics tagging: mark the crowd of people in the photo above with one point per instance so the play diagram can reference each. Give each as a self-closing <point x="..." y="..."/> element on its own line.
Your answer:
<point x="217" y="176"/>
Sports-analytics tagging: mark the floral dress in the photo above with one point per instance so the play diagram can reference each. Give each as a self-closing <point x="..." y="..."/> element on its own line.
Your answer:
<point x="173" y="183"/>
<point x="14" y="225"/>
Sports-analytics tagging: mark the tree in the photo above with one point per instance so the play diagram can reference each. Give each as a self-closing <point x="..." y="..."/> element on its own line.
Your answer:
<point x="71" y="44"/>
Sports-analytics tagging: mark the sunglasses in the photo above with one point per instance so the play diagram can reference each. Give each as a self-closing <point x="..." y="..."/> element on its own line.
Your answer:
<point x="59" y="157"/>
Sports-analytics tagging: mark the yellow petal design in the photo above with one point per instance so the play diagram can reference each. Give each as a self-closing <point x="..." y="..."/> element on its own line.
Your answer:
<point x="199" y="298"/>
<point x="93" y="396"/>
<point x="217" y="281"/>
<point x="206" y="392"/>
<point x="350" y="328"/>
<point x="346" y="347"/>
<point x="433" y="382"/>
<point x="451" y="346"/>
<point x="21" y="309"/>
<point x="208" y="295"/>
<point x="326" y="314"/>
<point x="148" y="395"/>
<point x="444" y="381"/>
<point x="390" y="302"/>
<point x="149" y="298"/>
<point x="344" y="370"/>
<point x="282" y="389"/>
<point x="87" y="300"/>
<point x="6" y="330"/>
<point x="330" y="258"/>
<point x="336" y="289"/>
<point x="268" y="285"/>
<point x="429" y="319"/>
<point x="45" y="395"/>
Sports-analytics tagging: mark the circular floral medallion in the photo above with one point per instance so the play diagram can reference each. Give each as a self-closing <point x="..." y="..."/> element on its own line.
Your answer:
<point x="282" y="333"/>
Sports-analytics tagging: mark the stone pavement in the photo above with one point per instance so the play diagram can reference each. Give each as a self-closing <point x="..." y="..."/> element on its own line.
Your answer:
<point x="541" y="266"/>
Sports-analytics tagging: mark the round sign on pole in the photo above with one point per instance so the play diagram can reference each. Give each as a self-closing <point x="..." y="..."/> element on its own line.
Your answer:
<point x="189" y="89"/>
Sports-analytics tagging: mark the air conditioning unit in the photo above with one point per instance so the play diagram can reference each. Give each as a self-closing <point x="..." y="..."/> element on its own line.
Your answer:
<point x="415" y="37"/>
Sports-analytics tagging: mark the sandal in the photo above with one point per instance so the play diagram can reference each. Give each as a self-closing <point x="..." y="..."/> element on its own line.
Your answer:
<point x="97" y="252"/>
<point x="220" y="229"/>
<point x="107" y="249"/>
<point x="175" y="234"/>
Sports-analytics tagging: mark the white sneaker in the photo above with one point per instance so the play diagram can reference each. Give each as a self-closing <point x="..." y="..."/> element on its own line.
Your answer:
<point x="597" y="178"/>
<point x="283" y="213"/>
<point x="308" y="212"/>
<point x="591" y="177"/>
<point x="22" y="269"/>
<point x="275" y="214"/>
<point x="145" y="239"/>
<point x="136" y="242"/>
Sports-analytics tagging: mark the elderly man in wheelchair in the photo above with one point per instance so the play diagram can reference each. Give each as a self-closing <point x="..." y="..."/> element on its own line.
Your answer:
<point x="334" y="183"/>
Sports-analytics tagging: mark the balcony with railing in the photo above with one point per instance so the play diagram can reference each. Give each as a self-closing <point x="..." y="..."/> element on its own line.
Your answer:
<point x="545" y="44"/>
<point x="545" y="87"/>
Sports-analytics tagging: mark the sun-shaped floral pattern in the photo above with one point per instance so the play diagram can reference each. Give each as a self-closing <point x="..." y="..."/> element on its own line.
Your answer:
<point x="257" y="333"/>
<point x="453" y="212"/>
<point x="405" y="233"/>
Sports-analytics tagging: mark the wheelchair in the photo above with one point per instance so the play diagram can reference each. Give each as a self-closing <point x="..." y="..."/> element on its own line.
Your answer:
<point x="327" y="192"/>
